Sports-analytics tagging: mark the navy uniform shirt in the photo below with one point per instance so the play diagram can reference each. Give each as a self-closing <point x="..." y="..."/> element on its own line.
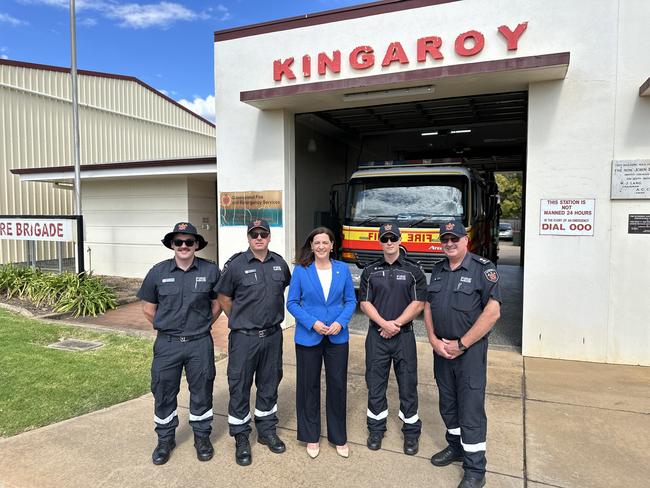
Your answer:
<point x="184" y="298"/>
<point x="458" y="297"/>
<point x="392" y="287"/>
<point x="256" y="289"/>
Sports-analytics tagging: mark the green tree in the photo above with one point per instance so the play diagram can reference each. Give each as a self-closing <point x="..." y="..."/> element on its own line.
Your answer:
<point x="510" y="192"/>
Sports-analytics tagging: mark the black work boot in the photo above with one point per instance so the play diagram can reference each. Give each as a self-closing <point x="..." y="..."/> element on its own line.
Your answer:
<point x="162" y="452"/>
<point x="374" y="441"/>
<point x="472" y="482"/>
<point x="273" y="442"/>
<point x="411" y="446"/>
<point x="243" y="455"/>
<point x="204" y="449"/>
<point x="445" y="457"/>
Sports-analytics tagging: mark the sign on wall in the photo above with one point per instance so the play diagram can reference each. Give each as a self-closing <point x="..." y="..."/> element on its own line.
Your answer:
<point x="240" y="207"/>
<point x="34" y="229"/>
<point x="566" y="216"/>
<point x="638" y="224"/>
<point x="631" y="178"/>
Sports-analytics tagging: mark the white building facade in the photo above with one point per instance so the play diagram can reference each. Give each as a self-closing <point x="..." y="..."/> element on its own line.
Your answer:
<point x="583" y="68"/>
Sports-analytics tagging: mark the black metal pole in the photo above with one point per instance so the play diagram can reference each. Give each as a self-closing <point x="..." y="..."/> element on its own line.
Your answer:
<point x="80" y="244"/>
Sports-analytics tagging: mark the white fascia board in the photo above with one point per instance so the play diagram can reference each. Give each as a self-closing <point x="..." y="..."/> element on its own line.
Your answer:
<point x="87" y="174"/>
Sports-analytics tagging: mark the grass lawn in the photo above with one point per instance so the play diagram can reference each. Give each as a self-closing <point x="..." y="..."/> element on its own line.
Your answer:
<point x="40" y="386"/>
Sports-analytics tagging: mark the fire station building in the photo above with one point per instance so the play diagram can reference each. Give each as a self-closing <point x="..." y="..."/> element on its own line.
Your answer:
<point x="556" y="90"/>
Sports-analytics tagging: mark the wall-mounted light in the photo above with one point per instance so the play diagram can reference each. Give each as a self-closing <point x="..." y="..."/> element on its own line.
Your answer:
<point x="393" y="92"/>
<point x="64" y="185"/>
<point x="311" y="145"/>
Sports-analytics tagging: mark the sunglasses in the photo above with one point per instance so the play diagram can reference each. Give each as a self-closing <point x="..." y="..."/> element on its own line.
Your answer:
<point x="255" y="235"/>
<point x="453" y="239"/>
<point x="391" y="238"/>
<point x="187" y="242"/>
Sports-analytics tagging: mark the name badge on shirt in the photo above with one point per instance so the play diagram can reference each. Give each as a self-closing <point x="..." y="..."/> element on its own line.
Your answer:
<point x="277" y="268"/>
<point x="168" y="280"/>
<point x="400" y="277"/>
<point x="465" y="279"/>
<point x="249" y="271"/>
<point x="201" y="279"/>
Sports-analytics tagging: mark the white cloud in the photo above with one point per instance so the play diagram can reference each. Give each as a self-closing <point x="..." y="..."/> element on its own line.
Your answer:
<point x="3" y="52"/>
<point x="203" y="106"/>
<point x="136" y="15"/>
<point x="220" y="12"/>
<point x="141" y="16"/>
<point x="13" y="21"/>
<point x="87" y="22"/>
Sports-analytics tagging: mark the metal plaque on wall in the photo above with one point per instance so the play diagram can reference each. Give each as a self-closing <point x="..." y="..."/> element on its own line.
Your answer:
<point x="631" y="179"/>
<point x="638" y="224"/>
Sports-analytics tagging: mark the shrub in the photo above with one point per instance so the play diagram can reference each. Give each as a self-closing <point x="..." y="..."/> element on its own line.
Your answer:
<point x="82" y="294"/>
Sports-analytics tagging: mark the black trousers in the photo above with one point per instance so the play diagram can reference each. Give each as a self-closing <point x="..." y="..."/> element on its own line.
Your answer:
<point x="169" y="358"/>
<point x="461" y="386"/>
<point x="400" y="350"/>
<point x="309" y="361"/>
<point x="251" y="357"/>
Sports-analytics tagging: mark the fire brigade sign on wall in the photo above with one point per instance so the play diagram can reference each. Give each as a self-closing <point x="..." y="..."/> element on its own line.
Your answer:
<point x="566" y="216"/>
<point x="22" y="229"/>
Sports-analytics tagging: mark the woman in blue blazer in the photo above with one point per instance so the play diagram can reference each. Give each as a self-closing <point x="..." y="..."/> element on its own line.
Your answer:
<point x="321" y="298"/>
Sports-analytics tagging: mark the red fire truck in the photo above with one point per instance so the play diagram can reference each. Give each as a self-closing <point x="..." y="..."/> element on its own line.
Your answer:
<point x="419" y="195"/>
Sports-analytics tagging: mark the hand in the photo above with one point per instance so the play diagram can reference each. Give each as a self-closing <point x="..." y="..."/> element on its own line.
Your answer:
<point x="320" y="328"/>
<point x="389" y="328"/>
<point x="334" y="329"/>
<point x="451" y="346"/>
<point x="439" y="347"/>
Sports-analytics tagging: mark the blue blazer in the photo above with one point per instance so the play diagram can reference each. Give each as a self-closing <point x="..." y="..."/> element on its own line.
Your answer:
<point x="306" y="302"/>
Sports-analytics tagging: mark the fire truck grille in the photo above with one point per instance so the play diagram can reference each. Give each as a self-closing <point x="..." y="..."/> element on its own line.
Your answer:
<point x="426" y="260"/>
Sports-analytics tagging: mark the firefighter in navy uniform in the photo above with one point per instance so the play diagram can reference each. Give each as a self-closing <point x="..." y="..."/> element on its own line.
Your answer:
<point x="464" y="304"/>
<point x="178" y="299"/>
<point x="392" y="293"/>
<point x="251" y="293"/>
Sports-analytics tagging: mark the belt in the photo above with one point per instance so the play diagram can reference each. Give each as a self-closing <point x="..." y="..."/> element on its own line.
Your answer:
<point x="402" y="330"/>
<point x="259" y="332"/>
<point x="183" y="338"/>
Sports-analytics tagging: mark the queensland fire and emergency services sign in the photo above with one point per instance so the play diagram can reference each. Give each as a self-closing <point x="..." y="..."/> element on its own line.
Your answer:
<point x="567" y="216"/>
<point x="36" y="229"/>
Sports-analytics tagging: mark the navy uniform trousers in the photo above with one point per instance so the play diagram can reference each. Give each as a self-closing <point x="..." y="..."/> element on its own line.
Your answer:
<point x="461" y="386"/>
<point x="401" y="351"/>
<point x="170" y="357"/>
<point x="260" y="358"/>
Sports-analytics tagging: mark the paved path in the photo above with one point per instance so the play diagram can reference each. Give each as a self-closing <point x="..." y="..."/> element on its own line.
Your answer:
<point x="551" y="423"/>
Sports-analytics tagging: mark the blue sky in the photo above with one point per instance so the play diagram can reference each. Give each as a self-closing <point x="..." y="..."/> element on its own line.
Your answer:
<point x="166" y="44"/>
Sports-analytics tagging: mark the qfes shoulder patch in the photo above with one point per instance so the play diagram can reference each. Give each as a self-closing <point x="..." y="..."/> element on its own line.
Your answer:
<point x="492" y="275"/>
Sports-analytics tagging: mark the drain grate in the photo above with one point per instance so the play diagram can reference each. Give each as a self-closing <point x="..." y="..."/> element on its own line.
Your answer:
<point x="75" y="345"/>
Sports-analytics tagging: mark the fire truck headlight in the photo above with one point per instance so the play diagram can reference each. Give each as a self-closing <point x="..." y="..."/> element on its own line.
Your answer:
<point x="349" y="255"/>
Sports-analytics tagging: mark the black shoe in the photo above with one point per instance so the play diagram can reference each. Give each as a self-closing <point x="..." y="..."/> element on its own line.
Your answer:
<point x="411" y="446"/>
<point x="445" y="457"/>
<point x="273" y="442"/>
<point x="162" y="452"/>
<point x="204" y="449"/>
<point x="243" y="455"/>
<point x="374" y="441"/>
<point x="470" y="482"/>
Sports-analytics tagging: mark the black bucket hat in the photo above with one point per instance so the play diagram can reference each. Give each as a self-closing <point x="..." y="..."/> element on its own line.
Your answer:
<point x="184" y="228"/>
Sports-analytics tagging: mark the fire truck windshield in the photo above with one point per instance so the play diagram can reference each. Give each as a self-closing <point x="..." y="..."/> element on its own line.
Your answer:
<point x="413" y="201"/>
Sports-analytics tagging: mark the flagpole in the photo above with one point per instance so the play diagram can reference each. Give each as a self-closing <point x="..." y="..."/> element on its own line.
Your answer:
<point x="75" y="128"/>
